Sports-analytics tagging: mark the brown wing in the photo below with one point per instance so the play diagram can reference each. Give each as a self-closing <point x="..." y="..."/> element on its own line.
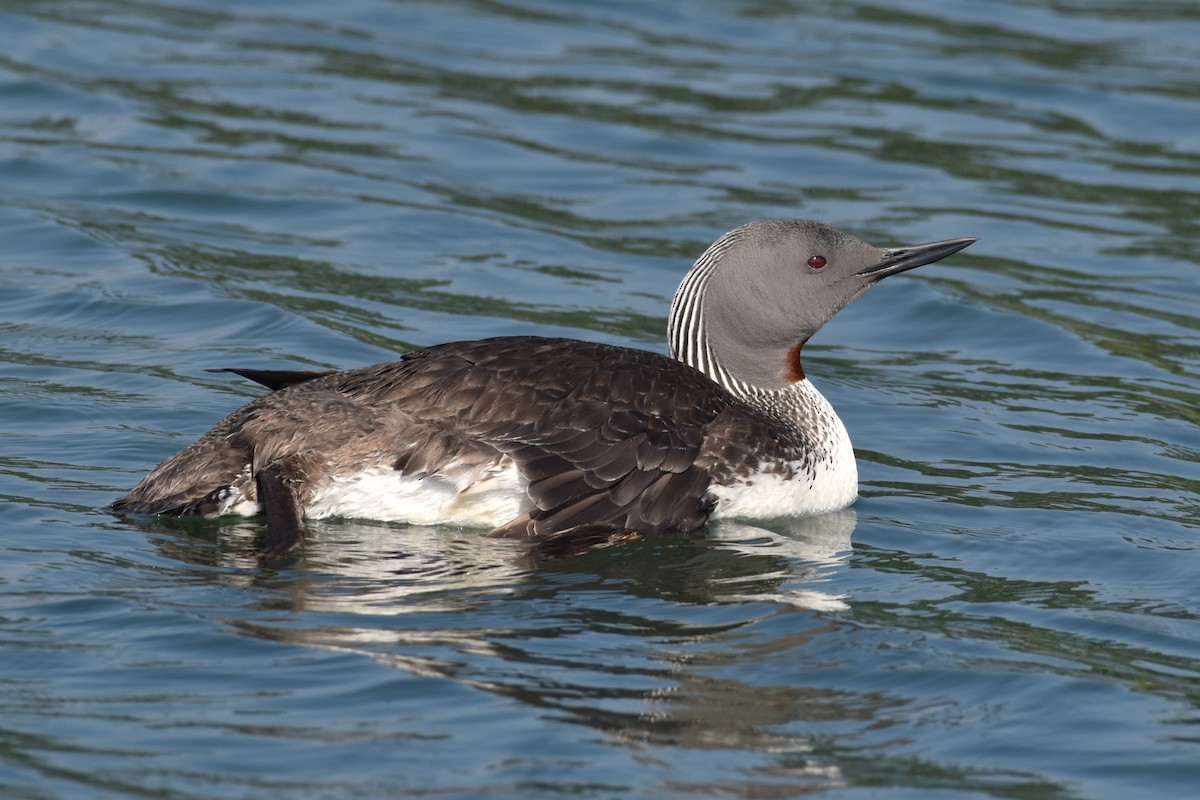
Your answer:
<point x="604" y="435"/>
<point x="607" y="437"/>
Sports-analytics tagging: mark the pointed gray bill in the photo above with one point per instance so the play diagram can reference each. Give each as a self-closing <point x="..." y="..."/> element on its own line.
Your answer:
<point x="902" y="259"/>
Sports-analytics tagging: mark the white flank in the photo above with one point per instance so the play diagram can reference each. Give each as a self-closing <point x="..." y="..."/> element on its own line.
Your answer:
<point x="236" y="497"/>
<point x="240" y="506"/>
<point x="382" y="493"/>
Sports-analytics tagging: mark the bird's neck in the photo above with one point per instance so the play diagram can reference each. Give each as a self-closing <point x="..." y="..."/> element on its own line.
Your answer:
<point x="699" y="337"/>
<point x="790" y="398"/>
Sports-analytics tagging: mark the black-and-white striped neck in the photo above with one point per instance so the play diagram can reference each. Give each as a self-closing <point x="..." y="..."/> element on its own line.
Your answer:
<point x="687" y="333"/>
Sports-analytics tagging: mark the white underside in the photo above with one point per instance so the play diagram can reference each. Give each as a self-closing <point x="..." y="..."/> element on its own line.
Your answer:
<point x="382" y="493"/>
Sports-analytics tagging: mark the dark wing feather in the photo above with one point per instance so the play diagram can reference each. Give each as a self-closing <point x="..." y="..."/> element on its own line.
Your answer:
<point x="593" y="428"/>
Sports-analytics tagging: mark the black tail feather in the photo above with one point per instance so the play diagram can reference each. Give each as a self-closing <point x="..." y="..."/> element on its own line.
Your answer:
<point x="275" y="379"/>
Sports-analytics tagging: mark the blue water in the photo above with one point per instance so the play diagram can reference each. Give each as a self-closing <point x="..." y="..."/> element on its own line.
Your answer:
<point x="1011" y="609"/>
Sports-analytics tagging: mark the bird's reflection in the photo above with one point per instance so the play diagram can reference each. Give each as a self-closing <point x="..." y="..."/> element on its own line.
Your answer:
<point x="379" y="568"/>
<point x="654" y="641"/>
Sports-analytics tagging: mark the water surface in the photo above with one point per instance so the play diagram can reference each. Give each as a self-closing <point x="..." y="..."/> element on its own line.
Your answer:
<point x="1009" y="611"/>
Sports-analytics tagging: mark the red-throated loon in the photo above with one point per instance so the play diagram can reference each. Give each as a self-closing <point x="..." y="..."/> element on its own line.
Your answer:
<point x="541" y="438"/>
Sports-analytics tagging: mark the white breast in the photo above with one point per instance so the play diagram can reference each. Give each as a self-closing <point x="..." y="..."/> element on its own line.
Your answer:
<point x="831" y="485"/>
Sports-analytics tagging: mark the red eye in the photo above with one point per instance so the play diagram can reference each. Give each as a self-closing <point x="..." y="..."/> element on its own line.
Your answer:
<point x="817" y="262"/>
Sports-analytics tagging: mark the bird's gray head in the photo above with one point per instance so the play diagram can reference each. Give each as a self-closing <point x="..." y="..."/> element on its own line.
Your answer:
<point x="754" y="298"/>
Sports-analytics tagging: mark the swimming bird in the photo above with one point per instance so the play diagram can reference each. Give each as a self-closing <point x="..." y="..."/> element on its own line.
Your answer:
<point x="544" y="438"/>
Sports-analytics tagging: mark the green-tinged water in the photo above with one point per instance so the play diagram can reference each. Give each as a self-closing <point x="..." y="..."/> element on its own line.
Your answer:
<point x="1011" y="610"/>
